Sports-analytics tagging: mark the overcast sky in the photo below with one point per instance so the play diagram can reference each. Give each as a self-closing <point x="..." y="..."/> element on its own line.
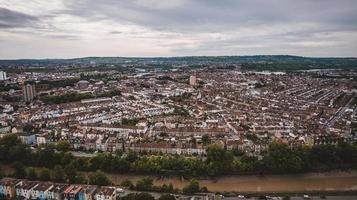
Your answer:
<point x="77" y="28"/>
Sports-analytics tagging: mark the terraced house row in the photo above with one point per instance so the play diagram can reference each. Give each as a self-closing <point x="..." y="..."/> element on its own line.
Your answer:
<point x="23" y="189"/>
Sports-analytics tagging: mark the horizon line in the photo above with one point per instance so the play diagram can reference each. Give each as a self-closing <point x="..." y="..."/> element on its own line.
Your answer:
<point x="183" y="56"/>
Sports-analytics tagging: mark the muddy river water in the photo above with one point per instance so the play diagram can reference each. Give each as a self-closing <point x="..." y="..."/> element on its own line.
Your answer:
<point x="331" y="181"/>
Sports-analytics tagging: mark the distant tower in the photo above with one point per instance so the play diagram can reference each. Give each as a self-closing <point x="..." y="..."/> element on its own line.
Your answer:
<point x="3" y="76"/>
<point x="193" y="80"/>
<point x="29" y="92"/>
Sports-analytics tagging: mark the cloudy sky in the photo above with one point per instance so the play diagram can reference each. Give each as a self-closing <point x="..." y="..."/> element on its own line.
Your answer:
<point x="76" y="28"/>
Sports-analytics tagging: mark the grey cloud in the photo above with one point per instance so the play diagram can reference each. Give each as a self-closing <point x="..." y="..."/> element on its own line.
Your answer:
<point x="14" y="19"/>
<point x="115" y="32"/>
<point x="63" y="36"/>
<point x="242" y="26"/>
<point x="209" y="15"/>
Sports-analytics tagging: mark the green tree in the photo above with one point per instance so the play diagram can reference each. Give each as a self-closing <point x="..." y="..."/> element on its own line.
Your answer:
<point x="9" y="140"/>
<point x="192" y="188"/>
<point x="204" y="189"/>
<point x="206" y="139"/>
<point x="45" y="175"/>
<point x="99" y="178"/>
<point x="167" y="188"/>
<point x="19" y="170"/>
<point x="145" y="196"/>
<point x="167" y="197"/>
<point x="46" y="156"/>
<point x="280" y="158"/>
<point x="19" y="152"/>
<point x="237" y="152"/>
<point x="120" y="165"/>
<point x="81" y="179"/>
<point x="11" y="149"/>
<point x="145" y="184"/>
<point x="59" y="174"/>
<point x="131" y="196"/>
<point x="130" y="122"/>
<point x="67" y="157"/>
<point x="2" y="174"/>
<point x="63" y="146"/>
<point x="132" y="156"/>
<point x="138" y="196"/>
<point x="218" y="159"/>
<point x="119" y="153"/>
<point x="71" y="173"/>
<point x="31" y="174"/>
<point x="101" y="161"/>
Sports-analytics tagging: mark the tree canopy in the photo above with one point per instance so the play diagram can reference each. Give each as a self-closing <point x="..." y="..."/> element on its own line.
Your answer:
<point x="98" y="178"/>
<point x="192" y="188"/>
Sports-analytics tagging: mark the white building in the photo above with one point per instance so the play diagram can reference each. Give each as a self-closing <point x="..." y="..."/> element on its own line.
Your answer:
<point x="3" y="76"/>
<point x="193" y="80"/>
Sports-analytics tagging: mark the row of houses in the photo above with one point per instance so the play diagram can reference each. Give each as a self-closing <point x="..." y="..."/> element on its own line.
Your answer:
<point x="168" y="148"/>
<point x="11" y="188"/>
<point x="23" y="189"/>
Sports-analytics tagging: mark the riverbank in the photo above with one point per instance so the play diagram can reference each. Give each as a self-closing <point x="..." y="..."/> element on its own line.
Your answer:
<point x="335" y="181"/>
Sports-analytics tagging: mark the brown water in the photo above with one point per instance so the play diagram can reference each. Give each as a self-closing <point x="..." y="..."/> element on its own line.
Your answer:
<point x="332" y="181"/>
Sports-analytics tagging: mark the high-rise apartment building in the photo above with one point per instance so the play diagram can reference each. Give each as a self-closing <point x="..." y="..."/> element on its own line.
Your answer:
<point x="29" y="92"/>
<point x="193" y="80"/>
<point x="3" y="76"/>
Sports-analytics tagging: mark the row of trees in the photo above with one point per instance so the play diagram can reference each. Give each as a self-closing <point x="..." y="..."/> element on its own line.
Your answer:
<point x="58" y="174"/>
<point x="146" y="184"/>
<point x="2" y="174"/>
<point x="130" y="122"/>
<point x="65" y="98"/>
<point x="279" y="158"/>
<point x="6" y="87"/>
<point x="75" y="96"/>
<point x="68" y="175"/>
<point x="293" y="66"/>
<point x="146" y="196"/>
<point x="59" y="83"/>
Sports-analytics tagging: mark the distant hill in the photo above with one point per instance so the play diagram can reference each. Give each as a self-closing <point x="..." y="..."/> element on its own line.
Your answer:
<point x="257" y="61"/>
